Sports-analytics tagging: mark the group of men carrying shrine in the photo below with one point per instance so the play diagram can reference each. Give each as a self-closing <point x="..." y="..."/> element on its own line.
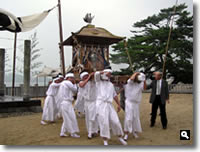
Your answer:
<point x="95" y="94"/>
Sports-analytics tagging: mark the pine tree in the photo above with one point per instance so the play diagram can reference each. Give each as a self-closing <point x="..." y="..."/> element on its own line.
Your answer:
<point x="147" y="46"/>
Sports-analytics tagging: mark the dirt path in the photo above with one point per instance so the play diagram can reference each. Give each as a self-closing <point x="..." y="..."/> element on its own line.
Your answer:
<point x="26" y="130"/>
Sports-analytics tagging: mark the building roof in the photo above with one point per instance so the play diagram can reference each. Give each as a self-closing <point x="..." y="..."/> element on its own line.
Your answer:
<point x="90" y="34"/>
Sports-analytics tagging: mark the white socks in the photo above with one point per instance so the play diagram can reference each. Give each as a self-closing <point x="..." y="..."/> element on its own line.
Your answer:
<point x="63" y="135"/>
<point x="105" y="142"/>
<point x="126" y="137"/>
<point x="42" y="122"/>
<point x="89" y="136"/>
<point x="122" y="141"/>
<point x="74" y="135"/>
<point x="135" y="135"/>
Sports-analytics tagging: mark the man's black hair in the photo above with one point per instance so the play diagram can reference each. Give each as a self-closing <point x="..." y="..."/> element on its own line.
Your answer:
<point x="108" y="67"/>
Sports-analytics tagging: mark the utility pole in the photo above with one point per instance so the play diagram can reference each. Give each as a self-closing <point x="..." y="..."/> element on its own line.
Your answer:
<point x="2" y="71"/>
<point x="27" y="63"/>
<point x="62" y="59"/>
<point x="14" y="63"/>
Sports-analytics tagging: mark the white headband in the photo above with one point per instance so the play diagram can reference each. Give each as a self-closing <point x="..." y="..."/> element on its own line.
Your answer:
<point x="141" y="77"/>
<point x="55" y="79"/>
<point x="83" y="74"/>
<point x="108" y="70"/>
<point x="69" y="75"/>
<point x="60" y="76"/>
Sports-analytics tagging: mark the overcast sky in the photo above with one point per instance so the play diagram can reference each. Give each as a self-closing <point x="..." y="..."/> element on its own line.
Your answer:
<point x="117" y="16"/>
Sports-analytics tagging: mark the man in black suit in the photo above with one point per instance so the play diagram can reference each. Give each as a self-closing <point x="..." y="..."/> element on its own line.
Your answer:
<point x="159" y="97"/>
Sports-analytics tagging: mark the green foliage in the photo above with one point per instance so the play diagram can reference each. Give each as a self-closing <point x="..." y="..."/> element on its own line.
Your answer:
<point x="148" y="44"/>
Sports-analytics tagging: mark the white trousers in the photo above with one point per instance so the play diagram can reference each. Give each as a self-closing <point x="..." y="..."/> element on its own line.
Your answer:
<point x="79" y="104"/>
<point x="49" y="110"/>
<point x="108" y="119"/>
<point x="70" y="123"/>
<point x="90" y="117"/>
<point x="132" y="117"/>
<point x="58" y="105"/>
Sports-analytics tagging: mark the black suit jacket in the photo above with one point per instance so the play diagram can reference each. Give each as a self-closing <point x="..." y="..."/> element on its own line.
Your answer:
<point x="164" y="94"/>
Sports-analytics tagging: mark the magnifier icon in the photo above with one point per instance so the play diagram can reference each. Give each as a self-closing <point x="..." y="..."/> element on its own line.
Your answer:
<point x="184" y="134"/>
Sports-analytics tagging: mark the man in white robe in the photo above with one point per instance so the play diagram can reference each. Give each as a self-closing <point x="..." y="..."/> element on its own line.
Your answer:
<point x="133" y="94"/>
<point x="106" y="114"/>
<point x="88" y="87"/>
<point x="50" y="108"/>
<point x="70" y="123"/>
<point x="79" y="104"/>
<point x="58" y="99"/>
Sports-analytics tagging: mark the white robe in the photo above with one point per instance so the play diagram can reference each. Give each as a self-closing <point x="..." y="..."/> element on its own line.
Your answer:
<point x="79" y="104"/>
<point x="107" y="116"/>
<point x="49" y="110"/>
<point x="133" y="95"/>
<point x="70" y="123"/>
<point x="89" y="98"/>
<point x="58" y="100"/>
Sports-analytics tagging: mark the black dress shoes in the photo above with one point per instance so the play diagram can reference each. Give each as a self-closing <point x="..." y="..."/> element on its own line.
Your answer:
<point x="151" y="125"/>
